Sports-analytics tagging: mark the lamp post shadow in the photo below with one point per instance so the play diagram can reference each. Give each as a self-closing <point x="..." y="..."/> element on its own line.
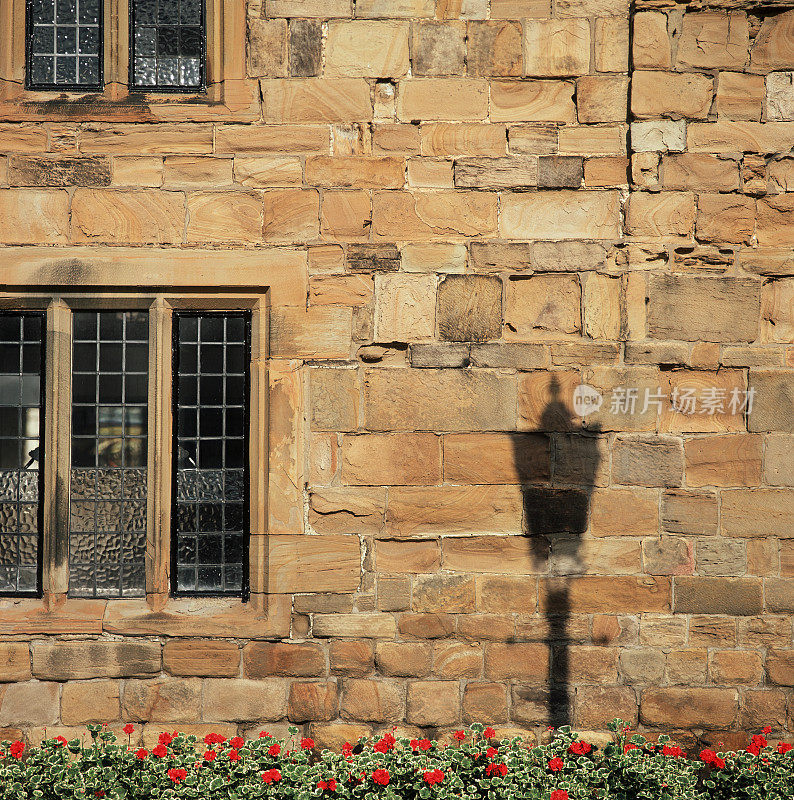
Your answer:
<point x="556" y="513"/>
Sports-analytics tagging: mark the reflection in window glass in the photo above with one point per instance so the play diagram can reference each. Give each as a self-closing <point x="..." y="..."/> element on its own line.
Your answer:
<point x="64" y="44"/>
<point x="107" y="531"/>
<point x="167" y="44"/>
<point x="211" y="418"/>
<point x="21" y="370"/>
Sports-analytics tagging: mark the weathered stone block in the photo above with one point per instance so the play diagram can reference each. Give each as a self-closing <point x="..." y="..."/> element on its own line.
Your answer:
<point x="439" y="48"/>
<point x="165" y="700"/>
<point x="201" y="657"/>
<point x="470" y="308"/>
<point x="239" y="700"/>
<point x="265" y="660"/>
<point x="706" y="708"/>
<point x="725" y="218"/>
<point x="29" y="703"/>
<point x="713" y="39"/>
<point x="494" y="48"/>
<point x="310" y="701"/>
<point x="659" y="94"/>
<point x="543" y="304"/>
<point x="773" y="401"/>
<point x="735" y="596"/>
<point x="651" y="43"/>
<point x="661" y="214"/>
<point x="406" y="659"/>
<point x="305" y="47"/>
<point x="644" y="460"/>
<point x="740" y="96"/>
<point x="457" y="99"/>
<point x="560" y="215"/>
<point x="267" y="47"/>
<point x="556" y="47"/>
<point x="391" y="459"/>
<point x="367" y="49"/>
<point x="318" y="564"/>
<point x="723" y="460"/>
<point x="531" y="101"/>
<point x="73" y="660"/>
<point x="504" y="172"/>
<point x="433" y="703"/>
<point x="90" y="701"/>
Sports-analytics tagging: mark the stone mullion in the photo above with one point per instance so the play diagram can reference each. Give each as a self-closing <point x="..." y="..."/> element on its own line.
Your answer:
<point x="158" y="517"/>
<point x="57" y="434"/>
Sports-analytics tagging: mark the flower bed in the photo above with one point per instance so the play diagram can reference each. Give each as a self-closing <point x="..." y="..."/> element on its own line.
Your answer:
<point x="474" y="767"/>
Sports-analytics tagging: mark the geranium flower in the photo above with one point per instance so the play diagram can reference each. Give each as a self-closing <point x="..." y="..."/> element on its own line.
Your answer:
<point x="210" y="755"/>
<point x="425" y="744"/>
<point x="433" y="776"/>
<point x="160" y="751"/>
<point x="672" y="750"/>
<point x="271" y="776"/>
<point x="559" y="794"/>
<point x="274" y="749"/>
<point x="556" y="764"/>
<point x="307" y="744"/>
<point x="329" y="785"/>
<point x="165" y="738"/>
<point x="177" y="775"/>
<point x="61" y="741"/>
<point x="580" y="748"/>
<point x="264" y="735"/>
<point x="99" y="792"/>
<point x="381" y="777"/>
<point x="629" y="746"/>
<point x="347" y="749"/>
<point x="129" y="729"/>
<point x="767" y="729"/>
<point x="237" y="742"/>
<point x="784" y="747"/>
<point x="496" y="769"/>
<point x="459" y="736"/>
<point x="489" y="733"/>
<point x="214" y="738"/>
<point x="16" y="749"/>
<point x="141" y="754"/>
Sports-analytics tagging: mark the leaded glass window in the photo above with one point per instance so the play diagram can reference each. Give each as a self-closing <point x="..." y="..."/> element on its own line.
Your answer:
<point x="21" y="422"/>
<point x="210" y="516"/>
<point x="107" y="530"/>
<point x="64" y="49"/>
<point x="167" y="44"/>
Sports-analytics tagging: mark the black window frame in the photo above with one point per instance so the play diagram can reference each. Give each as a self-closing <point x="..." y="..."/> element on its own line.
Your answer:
<point x="30" y="85"/>
<point x="38" y="591"/>
<point x="202" y="86"/>
<point x="245" y="591"/>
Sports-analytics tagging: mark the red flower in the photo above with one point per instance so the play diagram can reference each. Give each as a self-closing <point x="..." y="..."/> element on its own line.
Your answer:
<point x="271" y="776"/>
<point x="712" y="759"/>
<point x="60" y="740"/>
<point x="757" y="744"/>
<point x="459" y="735"/>
<point x="99" y="792"/>
<point x="141" y="754"/>
<point x="329" y="785"/>
<point x="414" y="744"/>
<point x="237" y="742"/>
<point x="491" y="752"/>
<point x="580" y="748"/>
<point x="129" y="729"/>
<point x="307" y="744"/>
<point x="425" y="744"/>
<point x="385" y="743"/>
<point x="629" y="746"/>
<point x="559" y="794"/>
<point x="347" y="749"/>
<point x="784" y="747"/>
<point x="556" y="764"/>
<point x="16" y="749"/>
<point x="234" y="755"/>
<point x="165" y="738"/>
<point x="672" y="750"/>
<point x="767" y="729"/>
<point x="274" y="749"/>
<point x="489" y="733"/>
<point x="160" y="751"/>
<point x="210" y="755"/>
<point x="177" y="775"/>
<point x="214" y="738"/>
<point x="381" y="777"/>
<point x="264" y="735"/>
<point x="496" y="769"/>
<point x="433" y="776"/>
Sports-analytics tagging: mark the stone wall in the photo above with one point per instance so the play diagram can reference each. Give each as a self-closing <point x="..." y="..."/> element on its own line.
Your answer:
<point x="488" y="203"/>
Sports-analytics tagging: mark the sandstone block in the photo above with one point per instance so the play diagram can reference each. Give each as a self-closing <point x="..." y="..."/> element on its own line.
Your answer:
<point x="686" y="666"/>
<point x="439" y="48"/>
<point x="667" y="555"/>
<point x="531" y="101"/>
<point x="560" y="172"/>
<point x="319" y="332"/>
<point x="735" y="596"/>
<point x="733" y="460"/>
<point x="201" y="657"/>
<point x="350" y="658"/>
<point x="611" y="44"/>
<point x="601" y="300"/>
<point x="412" y="659"/>
<point x="347" y="510"/>
<point x="142" y="216"/>
<point x="15" y="662"/>
<point x="426" y="626"/>
<point x="308" y="8"/>
<point x="267" y="47"/>
<point x="89" y="701"/>
<point x="556" y="47"/>
<point x="309" y="563"/>
<point x="221" y="217"/>
<point x="640" y="665"/>
<point x="651" y="45"/>
<point x="496" y="458"/>
<point x="366" y="49"/>
<point x="661" y="214"/>
<point x="590" y="140"/>
<point x="511" y="555"/>
<point x="405" y="307"/>
<point x="472" y="139"/>
<point x="439" y="400"/>
<point x="453" y="659"/>
<point x="391" y="459"/>
<point x="703" y="308"/>
<point x="433" y="703"/>
<point x="526" y="662"/>
<point x="772" y="46"/>
<point x="451" y="593"/>
<point x="725" y="218"/>
<point x="358" y="625"/>
<point x="277" y="139"/>
<point x="107" y="139"/>
<point x="504" y="172"/>
<point x="596" y="706"/>
<point x="505" y="594"/>
<point x="311" y="701"/>
<point x="59" y="171"/>
<point x="395" y="8"/>
<point x="372" y="701"/>
<point x="706" y="708"/>
<point x="536" y="139"/>
<point x="470" y="308"/>
<point x="407" y="556"/>
<point x="713" y="39"/>
<point x="196" y="171"/>
<point x="663" y="135"/>
<point x="731" y="667"/>
<point x="355" y="172"/>
<point x="740" y="96"/>
<point x="773" y="401"/>
<point x="429" y="216"/>
<point x="305" y="47"/>
<point x="596" y="594"/>
<point x="751" y="513"/>
<point x="346" y="215"/>
<point x="69" y="660"/>
<point x="334" y="399"/>
<point x="316" y="100"/>
<point x="560" y="215"/>
<point x="778" y="592"/>
<point x="647" y="460"/>
<point x="239" y="700"/>
<point x="780" y="667"/>
<point x="543" y="304"/>
<point x="779" y="459"/>
<point x="485" y="702"/>
<point x="29" y="703"/>
<point x="494" y="48"/>
<point x="457" y="99"/>
<point x="163" y="700"/>
<point x="700" y="171"/>
<point x="265" y="659"/>
<point x="602" y="98"/>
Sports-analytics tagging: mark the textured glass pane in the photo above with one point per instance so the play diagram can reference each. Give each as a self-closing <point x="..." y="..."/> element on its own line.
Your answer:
<point x="210" y="525"/>
<point x="109" y="446"/>
<point x="62" y="31"/>
<point x="21" y="350"/>
<point x="168" y="44"/>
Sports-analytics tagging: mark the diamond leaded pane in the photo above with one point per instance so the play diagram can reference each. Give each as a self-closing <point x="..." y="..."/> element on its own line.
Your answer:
<point x="21" y="377"/>
<point x="211" y="377"/>
<point x="167" y="44"/>
<point x="64" y="44"/>
<point x="107" y="530"/>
